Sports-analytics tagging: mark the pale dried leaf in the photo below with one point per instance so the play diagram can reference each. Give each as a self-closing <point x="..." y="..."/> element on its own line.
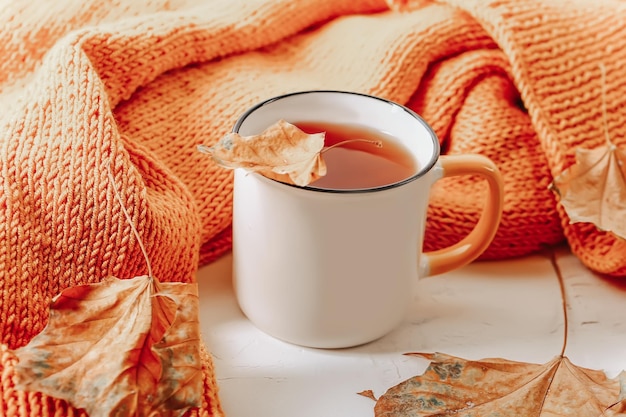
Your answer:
<point x="593" y="190"/>
<point x="282" y="152"/>
<point x="497" y="387"/>
<point x="98" y="349"/>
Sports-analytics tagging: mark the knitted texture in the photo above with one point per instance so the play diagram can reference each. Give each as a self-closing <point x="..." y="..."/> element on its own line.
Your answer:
<point x="137" y="84"/>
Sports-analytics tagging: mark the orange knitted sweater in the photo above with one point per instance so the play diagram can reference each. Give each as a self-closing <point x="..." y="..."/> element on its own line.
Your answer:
<point x="139" y="83"/>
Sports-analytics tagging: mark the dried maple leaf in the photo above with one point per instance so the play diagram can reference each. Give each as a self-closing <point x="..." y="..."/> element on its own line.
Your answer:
<point x="457" y="387"/>
<point x="126" y="347"/>
<point x="593" y="190"/>
<point x="497" y="387"/>
<point x="118" y="347"/>
<point x="282" y="152"/>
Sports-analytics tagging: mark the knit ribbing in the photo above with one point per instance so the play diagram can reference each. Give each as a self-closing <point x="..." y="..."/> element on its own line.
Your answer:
<point x="555" y="53"/>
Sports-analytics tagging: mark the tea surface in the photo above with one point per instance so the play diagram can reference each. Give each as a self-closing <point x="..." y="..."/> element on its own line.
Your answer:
<point x="357" y="165"/>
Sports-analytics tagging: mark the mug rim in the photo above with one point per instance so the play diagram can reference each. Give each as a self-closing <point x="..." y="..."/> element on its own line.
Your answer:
<point x="420" y="172"/>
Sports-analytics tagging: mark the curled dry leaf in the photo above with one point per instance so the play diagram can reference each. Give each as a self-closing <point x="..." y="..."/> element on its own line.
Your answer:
<point x="457" y="387"/>
<point x="593" y="190"/>
<point x="119" y="347"/>
<point x="282" y="152"/>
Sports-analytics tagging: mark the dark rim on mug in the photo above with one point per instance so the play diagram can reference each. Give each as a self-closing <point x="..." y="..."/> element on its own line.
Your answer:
<point x="420" y="172"/>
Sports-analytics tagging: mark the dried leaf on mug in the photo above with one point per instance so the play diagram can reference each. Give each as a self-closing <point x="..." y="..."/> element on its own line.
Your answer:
<point x="282" y="152"/>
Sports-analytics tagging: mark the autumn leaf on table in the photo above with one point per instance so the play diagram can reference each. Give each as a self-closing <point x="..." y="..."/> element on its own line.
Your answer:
<point x="593" y="190"/>
<point x="282" y="152"/>
<point x="456" y="387"/>
<point x="497" y="387"/>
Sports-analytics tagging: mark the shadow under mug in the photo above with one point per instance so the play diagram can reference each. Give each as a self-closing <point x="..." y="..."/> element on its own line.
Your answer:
<point x="337" y="268"/>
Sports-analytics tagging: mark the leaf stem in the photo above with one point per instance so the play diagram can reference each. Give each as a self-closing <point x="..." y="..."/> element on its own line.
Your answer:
<point x="129" y="219"/>
<point x="559" y="276"/>
<point x="377" y="143"/>
<point x="604" y="111"/>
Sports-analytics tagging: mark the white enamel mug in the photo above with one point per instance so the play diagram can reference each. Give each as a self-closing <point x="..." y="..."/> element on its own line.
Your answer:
<point x="337" y="268"/>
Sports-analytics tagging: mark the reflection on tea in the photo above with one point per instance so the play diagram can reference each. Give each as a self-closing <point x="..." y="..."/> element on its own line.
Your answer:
<point x="360" y="164"/>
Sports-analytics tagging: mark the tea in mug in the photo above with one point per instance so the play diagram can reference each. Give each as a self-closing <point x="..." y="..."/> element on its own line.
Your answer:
<point x="360" y="164"/>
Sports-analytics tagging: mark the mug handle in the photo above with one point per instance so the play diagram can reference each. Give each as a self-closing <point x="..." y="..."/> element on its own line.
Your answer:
<point x="471" y="246"/>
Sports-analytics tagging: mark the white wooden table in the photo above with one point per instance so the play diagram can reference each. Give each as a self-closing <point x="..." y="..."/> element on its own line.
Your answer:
<point x="510" y="309"/>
